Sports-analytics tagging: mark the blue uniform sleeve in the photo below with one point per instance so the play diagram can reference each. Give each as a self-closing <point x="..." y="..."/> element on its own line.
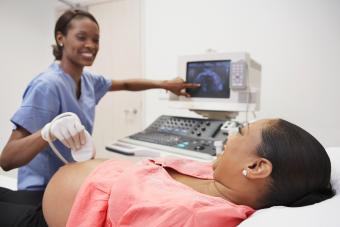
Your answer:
<point x="39" y="106"/>
<point x="101" y="85"/>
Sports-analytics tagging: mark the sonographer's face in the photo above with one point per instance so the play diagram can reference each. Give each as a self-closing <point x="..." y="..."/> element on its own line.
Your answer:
<point x="239" y="151"/>
<point x="81" y="43"/>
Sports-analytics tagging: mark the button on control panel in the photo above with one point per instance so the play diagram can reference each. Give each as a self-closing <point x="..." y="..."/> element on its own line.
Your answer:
<point x="238" y="75"/>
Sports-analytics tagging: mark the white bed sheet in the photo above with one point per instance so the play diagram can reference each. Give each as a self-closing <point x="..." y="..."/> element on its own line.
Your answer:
<point x="321" y="214"/>
<point x="8" y="182"/>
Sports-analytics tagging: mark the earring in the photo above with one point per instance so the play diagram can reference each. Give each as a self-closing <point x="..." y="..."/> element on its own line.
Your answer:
<point x="244" y="172"/>
<point x="60" y="44"/>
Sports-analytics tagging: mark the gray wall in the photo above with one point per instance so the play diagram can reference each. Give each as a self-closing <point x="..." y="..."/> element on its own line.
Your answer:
<point x="25" y="40"/>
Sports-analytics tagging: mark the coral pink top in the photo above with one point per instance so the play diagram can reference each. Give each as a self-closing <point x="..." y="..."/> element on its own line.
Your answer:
<point x="121" y="193"/>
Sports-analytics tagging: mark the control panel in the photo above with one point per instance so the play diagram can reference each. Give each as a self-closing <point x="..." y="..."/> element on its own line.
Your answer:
<point x="193" y="134"/>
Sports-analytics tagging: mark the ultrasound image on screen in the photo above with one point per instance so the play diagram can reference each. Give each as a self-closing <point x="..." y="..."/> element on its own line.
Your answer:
<point x="213" y="77"/>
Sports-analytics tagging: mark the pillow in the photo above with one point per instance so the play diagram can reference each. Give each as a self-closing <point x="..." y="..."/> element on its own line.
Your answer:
<point x="325" y="213"/>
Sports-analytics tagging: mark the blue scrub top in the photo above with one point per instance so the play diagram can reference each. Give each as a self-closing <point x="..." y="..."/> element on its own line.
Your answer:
<point x="48" y="95"/>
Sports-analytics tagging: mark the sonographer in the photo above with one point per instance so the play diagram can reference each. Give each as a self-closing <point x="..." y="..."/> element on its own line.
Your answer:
<point x="64" y="87"/>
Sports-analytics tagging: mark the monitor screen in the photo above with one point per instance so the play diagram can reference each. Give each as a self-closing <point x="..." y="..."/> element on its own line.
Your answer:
<point x="213" y="77"/>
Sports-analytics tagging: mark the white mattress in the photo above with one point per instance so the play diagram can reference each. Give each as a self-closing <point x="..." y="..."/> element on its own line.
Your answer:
<point x="8" y="182"/>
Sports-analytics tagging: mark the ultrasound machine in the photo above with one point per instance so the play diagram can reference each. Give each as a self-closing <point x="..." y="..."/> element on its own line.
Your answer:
<point x="230" y="84"/>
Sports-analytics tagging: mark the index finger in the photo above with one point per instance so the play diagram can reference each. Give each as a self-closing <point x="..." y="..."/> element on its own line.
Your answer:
<point x="191" y="85"/>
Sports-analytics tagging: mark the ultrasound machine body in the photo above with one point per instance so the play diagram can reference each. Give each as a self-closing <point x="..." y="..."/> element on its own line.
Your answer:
<point x="230" y="84"/>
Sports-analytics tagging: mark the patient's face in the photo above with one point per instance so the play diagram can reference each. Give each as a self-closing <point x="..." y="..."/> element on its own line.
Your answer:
<point x="239" y="151"/>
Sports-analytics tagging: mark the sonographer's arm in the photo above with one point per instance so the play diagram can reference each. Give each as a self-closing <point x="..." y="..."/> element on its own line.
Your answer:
<point x="21" y="148"/>
<point x="175" y="86"/>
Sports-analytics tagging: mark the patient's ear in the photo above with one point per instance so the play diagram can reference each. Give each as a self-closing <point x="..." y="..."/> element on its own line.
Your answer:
<point x="259" y="168"/>
<point x="59" y="37"/>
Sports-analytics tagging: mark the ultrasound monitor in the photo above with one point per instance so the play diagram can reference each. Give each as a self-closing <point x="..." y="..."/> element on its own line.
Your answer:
<point x="213" y="77"/>
<point x="230" y="83"/>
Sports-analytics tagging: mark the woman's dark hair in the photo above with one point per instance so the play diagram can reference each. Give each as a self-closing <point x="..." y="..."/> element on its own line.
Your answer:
<point x="301" y="167"/>
<point x="63" y="25"/>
